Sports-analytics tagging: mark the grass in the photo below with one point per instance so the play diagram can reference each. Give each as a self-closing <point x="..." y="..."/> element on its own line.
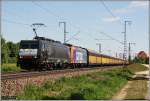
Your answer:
<point x="9" y="68"/>
<point x="137" y="68"/>
<point x="93" y="86"/>
<point x="137" y="90"/>
<point x="98" y="85"/>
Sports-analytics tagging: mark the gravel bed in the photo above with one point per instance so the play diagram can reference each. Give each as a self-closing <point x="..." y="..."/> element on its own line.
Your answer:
<point x="14" y="87"/>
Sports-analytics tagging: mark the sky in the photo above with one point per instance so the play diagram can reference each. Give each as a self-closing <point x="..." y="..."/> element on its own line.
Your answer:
<point x="87" y="23"/>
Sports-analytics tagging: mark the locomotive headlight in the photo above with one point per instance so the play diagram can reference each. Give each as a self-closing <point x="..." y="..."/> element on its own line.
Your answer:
<point x="35" y="56"/>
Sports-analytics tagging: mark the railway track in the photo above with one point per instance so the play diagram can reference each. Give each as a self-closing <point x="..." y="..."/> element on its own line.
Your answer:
<point x="18" y="75"/>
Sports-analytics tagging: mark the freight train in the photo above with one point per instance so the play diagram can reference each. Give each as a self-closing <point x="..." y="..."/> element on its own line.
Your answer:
<point x="46" y="54"/>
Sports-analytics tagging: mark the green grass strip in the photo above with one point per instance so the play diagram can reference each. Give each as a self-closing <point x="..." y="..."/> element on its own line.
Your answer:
<point x="98" y="85"/>
<point x="11" y="67"/>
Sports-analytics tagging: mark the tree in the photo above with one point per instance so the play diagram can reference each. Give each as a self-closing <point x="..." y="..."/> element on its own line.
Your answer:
<point x="4" y="51"/>
<point x="12" y="48"/>
<point x="9" y="51"/>
<point x="139" y="60"/>
<point x="147" y="60"/>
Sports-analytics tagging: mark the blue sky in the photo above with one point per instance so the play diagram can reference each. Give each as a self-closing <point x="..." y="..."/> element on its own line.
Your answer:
<point x="86" y="18"/>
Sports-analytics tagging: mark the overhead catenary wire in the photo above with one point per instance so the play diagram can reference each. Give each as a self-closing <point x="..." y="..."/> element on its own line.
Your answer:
<point x="73" y="37"/>
<point x="110" y="37"/>
<point x="110" y="12"/>
<point x="15" y="22"/>
<point x="60" y="17"/>
<point x="56" y="15"/>
<point x="47" y="10"/>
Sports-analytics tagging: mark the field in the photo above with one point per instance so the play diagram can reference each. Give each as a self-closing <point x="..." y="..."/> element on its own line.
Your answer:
<point x="136" y="68"/>
<point x="9" y="68"/>
<point x="98" y="85"/>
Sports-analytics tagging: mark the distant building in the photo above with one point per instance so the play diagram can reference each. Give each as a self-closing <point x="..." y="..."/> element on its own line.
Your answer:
<point x="142" y="55"/>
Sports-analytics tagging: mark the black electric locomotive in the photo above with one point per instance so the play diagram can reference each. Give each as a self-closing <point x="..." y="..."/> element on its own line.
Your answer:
<point x="43" y="53"/>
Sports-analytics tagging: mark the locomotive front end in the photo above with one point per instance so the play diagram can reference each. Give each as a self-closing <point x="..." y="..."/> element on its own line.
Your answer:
<point x="28" y="54"/>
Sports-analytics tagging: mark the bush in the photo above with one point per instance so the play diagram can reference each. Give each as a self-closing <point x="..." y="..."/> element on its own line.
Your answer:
<point x="10" y="68"/>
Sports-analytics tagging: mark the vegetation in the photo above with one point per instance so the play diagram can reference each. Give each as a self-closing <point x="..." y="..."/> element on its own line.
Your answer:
<point x="9" y="51"/>
<point x="9" y="68"/>
<point x="98" y="85"/>
<point x="137" y="90"/>
<point x="140" y="60"/>
<point x="136" y="68"/>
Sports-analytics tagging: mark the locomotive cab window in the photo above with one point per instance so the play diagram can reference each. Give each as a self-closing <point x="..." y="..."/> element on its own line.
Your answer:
<point x="24" y="46"/>
<point x="34" y="46"/>
<point x="29" y="45"/>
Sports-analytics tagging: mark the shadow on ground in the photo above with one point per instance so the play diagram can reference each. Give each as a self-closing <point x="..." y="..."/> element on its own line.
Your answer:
<point x="139" y="77"/>
<point x="73" y="96"/>
<point x="135" y="99"/>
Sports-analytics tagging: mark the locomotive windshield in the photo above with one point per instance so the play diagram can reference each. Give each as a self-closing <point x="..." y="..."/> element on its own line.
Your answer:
<point x="28" y="48"/>
<point x="29" y="45"/>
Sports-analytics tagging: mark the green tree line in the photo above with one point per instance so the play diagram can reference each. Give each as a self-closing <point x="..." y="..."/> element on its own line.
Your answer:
<point x="9" y="51"/>
<point x="140" y="60"/>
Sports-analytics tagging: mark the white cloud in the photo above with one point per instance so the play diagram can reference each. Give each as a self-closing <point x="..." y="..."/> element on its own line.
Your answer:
<point x="132" y="7"/>
<point x="138" y="4"/>
<point x="111" y="19"/>
<point x="122" y="10"/>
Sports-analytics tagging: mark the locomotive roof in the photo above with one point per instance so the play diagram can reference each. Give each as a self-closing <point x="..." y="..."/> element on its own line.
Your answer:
<point x="47" y="39"/>
<point x="42" y="38"/>
<point x="74" y="46"/>
<point x="28" y="40"/>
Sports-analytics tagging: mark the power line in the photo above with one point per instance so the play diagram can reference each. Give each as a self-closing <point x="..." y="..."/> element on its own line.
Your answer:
<point x="14" y="22"/>
<point x="54" y="14"/>
<point x="60" y="17"/>
<point x="47" y="10"/>
<point x="111" y="37"/>
<point x="50" y="12"/>
<point x="109" y="11"/>
<point x="73" y="37"/>
<point x="19" y="15"/>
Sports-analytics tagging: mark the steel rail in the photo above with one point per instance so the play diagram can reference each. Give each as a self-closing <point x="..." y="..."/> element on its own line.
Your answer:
<point x="18" y="75"/>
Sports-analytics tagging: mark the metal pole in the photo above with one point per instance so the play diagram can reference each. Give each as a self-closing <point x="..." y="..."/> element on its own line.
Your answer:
<point x="64" y="23"/>
<point x="130" y="51"/>
<point x="125" y="42"/>
<point x="100" y="50"/>
<point x="99" y="44"/>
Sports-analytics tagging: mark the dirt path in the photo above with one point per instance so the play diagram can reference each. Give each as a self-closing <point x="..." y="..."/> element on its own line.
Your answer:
<point x="146" y="65"/>
<point x="123" y="92"/>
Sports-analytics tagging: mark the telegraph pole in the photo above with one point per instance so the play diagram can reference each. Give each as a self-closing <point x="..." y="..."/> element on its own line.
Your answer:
<point x="129" y="57"/>
<point x="64" y="23"/>
<point x="125" y="41"/>
<point x="99" y="45"/>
